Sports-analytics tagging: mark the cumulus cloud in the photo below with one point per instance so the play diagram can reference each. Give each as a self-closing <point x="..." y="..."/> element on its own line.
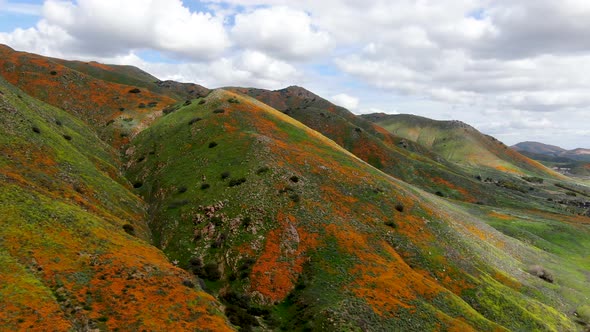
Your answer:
<point x="346" y="101"/>
<point x="281" y="31"/>
<point x="106" y="28"/>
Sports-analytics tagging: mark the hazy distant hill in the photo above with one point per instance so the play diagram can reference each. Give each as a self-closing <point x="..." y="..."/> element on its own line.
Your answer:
<point x="579" y="154"/>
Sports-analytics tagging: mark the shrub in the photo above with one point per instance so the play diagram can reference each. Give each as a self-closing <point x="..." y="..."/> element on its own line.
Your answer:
<point x="262" y="170"/>
<point x="541" y="272"/>
<point x="153" y="104"/>
<point x="358" y="130"/>
<point x="225" y="175"/>
<point x="439" y="193"/>
<point x="67" y="137"/>
<point x="202" y="101"/>
<point x="36" y="129"/>
<point x="188" y="283"/>
<point x="246" y="221"/>
<point x="583" y="313"/>
<point x="124" y="134"/>
<point x="110" y="122"/>
<point x="294" y="179"/>
<point x="140" y="159"/>
<point x="58" y="122"/>
<point x="399" y="207"/>
<point x="205" y="186"/>
<point x="391" y="224"/>
<point x="533" y="179"/>
<point x="134" y="90"/>
<point x="129" y="229"/>
<point x="233" y="100"/>
<point x="236" y="182"/>
<point x="141" y="105"/>
<point x="121" y="109"/>
<point x="177" y="204"/>
<point x="295" y="197"/>
<point x="194" y="120"/>
<point x="53" y="72"/>
<point x="137" y="184"/>
<point x="212" y="145"/>
<point x="211" y="272"/>
<point x="571" y="193"/>
<point x="219" y="111"/>
<point x="182" y="189"/>
<point x="187" y="102"/>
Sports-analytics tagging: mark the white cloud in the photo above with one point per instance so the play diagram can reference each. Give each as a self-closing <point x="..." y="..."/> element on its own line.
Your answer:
<point x="19" y="8"/>
<point x="346" y="101"/>
<point x="281" y="31"/>
<point x="106" y="28"/>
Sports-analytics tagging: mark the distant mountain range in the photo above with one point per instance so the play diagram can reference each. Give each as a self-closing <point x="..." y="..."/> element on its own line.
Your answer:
<point x="579" y="154"/>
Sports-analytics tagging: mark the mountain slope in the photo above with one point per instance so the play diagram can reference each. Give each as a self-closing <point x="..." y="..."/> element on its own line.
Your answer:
<point x="286" y="225"/>
<point x="460" y="143"/>
<point x="74" y="242"/>
<point x="578" y="154"/>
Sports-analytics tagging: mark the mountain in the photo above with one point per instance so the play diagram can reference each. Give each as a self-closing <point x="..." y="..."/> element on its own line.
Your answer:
<point x="460" y="143"/>
<point x="578" y="154"/>
<point x="221" y="210"/>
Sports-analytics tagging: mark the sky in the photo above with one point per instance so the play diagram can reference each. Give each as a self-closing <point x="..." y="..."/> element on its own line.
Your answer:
<point x="514" y="69"/>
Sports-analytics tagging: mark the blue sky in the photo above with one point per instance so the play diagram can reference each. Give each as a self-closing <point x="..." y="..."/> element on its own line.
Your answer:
<point x="509" y="68"/>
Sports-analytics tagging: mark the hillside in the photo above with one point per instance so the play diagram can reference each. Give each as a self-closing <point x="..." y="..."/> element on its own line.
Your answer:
<point x="229" y="210"/>
<point x="74" y="242"/>
<point x="460" y="143"/>
<point x="578" y="154"/>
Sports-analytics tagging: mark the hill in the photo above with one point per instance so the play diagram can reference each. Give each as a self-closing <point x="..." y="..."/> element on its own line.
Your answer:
<point x="222" y="209"/>
<point x="74" y="242"/>
<point x="460" y="143"/>
<point x="578" y="154"/>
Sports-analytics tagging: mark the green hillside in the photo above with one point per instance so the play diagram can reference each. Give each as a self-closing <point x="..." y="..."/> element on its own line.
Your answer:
<point x="254" y="210"/>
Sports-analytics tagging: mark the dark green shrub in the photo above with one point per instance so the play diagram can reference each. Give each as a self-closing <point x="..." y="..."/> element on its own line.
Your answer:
<point x="399" y="207"/>
<point x="205" y="186"/>
<point x="211" y="272"/>
<point x="391" y="224"/>
<point x="212" y="145"/>
<point x="236" y="182"/>
<point x="187" y="102"/>
<point x="110" y="122"/>
<point x="137" y="184"/>
<point x="294" y="179"/>
<point x="295" y="197"/>
<point x="140" y="159"/>
<point x="541" y="272"/>
<point x="246" y="222"/>
<point x="141" y="105"/>
<point x="129" y="229"/>
<point x="533" y="179"/>
<point x="67" y="137"/>
<point x="121" y="109"/>
<point x="177" y="204"/>
<point x="188" y="283"/>
<point x="439" y="193"/>
<point x="262" y="170"/>
<point x="571" y="193"/>
<point x="233" y="100"/>
<point x="202" y="101"/>
<point x="53" y="72"/>
<point x="58" y="122"/>
<point x="124" y="134"/>
<point x="225" y="175"/>
<point x="219" y="111"/>
<point x="36" y="129"/>
<point x="182" y="189"/>
<point x="152" y="104"/>
<point x="134" y="90"/>
<point x="194" y="120"/>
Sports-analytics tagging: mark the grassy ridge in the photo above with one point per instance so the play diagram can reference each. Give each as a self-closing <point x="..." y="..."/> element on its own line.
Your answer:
<point x="314" y="237"/>
<point x="74" y="244"/>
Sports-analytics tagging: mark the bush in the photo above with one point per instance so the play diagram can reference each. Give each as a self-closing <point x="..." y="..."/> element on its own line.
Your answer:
<point x="141" y="105"/>
<point x="211" y="272"/>
<point x="225" y="175"/>
<point x="205" y="186"/>
<point x="188" y="283"/>
<point x="295" y="197"/>
<point x="137" y="184"/>
<point x="532" y="179"/>
<point x="391" y="224"/>
<point x="571" y="193"/>
<point x="129" y="229"/>
<point x="140" y="159"/>
<point x="182" y="189"/>
<point x="246" y="222"/>
<point x="194" y="120"/>
<point x="152" y="104"/>
<point x="583" y="313"/>
<point x="212" y="145"/>
<point x="294" y="179"/>
<point x="233" y="100"/>
<point x="219" y="111"/>
<point x="236" y="182"/>
<point x="53" y="72"/>
<point x="36" y="129"/>
<point x="110" y="122"/>
<point x="177" y="204"/>
<point x="399" y="207"/>
<point x="541" y="272"/>
<point x="202" y="101"/>
<point x="262" y="170"/>
<point x="439" y="193"/>
<point x="187" y="102"/>
<point x="67" y="137"/>
<point x="58" y="122"/>
<point x="121" y="109"/>
<point x="134" y="90"/>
